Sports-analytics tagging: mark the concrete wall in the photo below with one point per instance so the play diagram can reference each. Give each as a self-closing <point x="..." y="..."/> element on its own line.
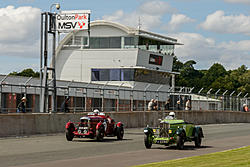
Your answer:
<point x="28" y="124"/>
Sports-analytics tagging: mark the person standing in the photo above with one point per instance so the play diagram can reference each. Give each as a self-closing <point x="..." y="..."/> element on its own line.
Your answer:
<point x="178" y="104"/>
<point x="167" y="104"/>
<point x="188" y="105"/>
<point x="21" y="107"/>
<point x="65" y="105"/>
<point x="245" y="108"/>
<point x="151" y="105"/>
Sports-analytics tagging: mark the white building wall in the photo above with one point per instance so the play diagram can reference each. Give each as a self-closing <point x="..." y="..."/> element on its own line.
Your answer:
<point x="77" y="64"/>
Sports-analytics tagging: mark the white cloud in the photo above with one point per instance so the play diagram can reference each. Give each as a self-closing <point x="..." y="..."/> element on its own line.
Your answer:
<point x="238" y="1"/>
<point x="218" y="22"/>
<point x="150" y="14"/>
<point x="177" y="20"/>
<point x="156" y="7"/>
<point x="206" y="52"/>
<point x="19" y="33"/>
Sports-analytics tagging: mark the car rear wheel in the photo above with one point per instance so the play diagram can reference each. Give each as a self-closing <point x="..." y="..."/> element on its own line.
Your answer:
<point x="197" y="140"/>
<point x="180" y="141"/>
<point x="147" y="142"/>
<point x="69" y="135"/>
<point x="120" y="133"/>
<point x="100" y="134"/>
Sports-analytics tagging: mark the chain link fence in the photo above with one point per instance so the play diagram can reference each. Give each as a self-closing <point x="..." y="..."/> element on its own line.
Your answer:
<point x="87" y="98"/>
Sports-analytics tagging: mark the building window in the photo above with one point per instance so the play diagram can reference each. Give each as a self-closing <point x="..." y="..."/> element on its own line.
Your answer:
<point x="115" y="42"/>
<point x="139" y="75"/>
<point x="115" y="74"/>
<point x="105" y="42"/>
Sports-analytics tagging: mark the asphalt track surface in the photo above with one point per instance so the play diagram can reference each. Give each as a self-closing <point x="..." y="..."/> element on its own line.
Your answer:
<point x="55" y="151"/>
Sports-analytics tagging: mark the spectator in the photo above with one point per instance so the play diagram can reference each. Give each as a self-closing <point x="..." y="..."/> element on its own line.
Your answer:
<point x="65" y="105"/>
<point x="155" y="106"/>
<point x="178" y="104"/>
<point x="151" y="105"/>
<point x="167" y="104"/>
<point x="245" y="108"/>
<point x="188" y="105"/>
<point x="21" y="107"/>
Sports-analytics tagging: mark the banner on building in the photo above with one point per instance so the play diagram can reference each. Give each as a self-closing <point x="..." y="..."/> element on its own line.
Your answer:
<point x="72" y="20"/>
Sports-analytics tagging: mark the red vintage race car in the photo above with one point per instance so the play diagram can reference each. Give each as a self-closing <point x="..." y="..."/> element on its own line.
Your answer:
<point x="94" y="125"/>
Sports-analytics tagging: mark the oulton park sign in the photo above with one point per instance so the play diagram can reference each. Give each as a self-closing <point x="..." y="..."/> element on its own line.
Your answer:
<point x="73" y="20"/>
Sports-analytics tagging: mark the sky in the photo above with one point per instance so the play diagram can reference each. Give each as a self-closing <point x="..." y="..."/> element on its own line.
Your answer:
<point x="212" y="31"/>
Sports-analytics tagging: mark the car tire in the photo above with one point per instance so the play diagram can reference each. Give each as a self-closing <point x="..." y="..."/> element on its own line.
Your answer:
<point x="147" y="142"/>
<point x="180" y="141"/>
<point x="197" y="140"/>
<point x="69" y="135"/>
<point x="100" y="134"/>
<point x="120" y="133"/>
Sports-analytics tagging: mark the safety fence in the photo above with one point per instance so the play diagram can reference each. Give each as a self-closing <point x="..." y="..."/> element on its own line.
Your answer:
<point x="105" y="98"/>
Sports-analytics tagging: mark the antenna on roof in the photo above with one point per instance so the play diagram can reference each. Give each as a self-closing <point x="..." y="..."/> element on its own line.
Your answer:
<point x="139" y="23"/>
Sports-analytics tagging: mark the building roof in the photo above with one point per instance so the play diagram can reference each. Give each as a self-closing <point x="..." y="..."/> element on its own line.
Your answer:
<point x="126" y="29"/>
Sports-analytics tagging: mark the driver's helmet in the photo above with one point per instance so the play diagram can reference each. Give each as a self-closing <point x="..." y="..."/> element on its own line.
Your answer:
<point x="96" y="111"/>
<point x="172" y="114"/>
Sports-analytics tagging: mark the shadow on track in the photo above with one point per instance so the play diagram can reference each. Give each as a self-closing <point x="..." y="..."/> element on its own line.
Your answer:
<point x="187" y="147"/>
<point x="94" y="140"/>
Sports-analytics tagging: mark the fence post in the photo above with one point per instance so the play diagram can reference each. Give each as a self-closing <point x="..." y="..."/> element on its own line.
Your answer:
<point x="223" y="99"/>
<point x="145" y="98"/>
<point x="231" y="108"/>
<point x="132" y="97"/>
<point x="118" y="97"/>
<point x="1" y="83"/>
<point x="238" y="108"/>
<point x="158" y="95"/>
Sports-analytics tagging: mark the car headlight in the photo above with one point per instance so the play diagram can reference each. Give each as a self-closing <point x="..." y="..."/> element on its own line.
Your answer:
<point x="145" y="131"/>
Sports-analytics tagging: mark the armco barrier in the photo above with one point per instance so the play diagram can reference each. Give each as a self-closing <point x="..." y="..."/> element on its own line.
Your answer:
<point x="24" y="124"/>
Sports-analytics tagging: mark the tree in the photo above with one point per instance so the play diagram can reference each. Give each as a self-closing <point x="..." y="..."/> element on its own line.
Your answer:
<point x="26" y="73"/>
<point x="213" y="73"/>
<point x="177" y="65"/>
<point x="189" y="76"/>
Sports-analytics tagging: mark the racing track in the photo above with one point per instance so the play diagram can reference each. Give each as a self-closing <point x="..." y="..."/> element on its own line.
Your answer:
<point x="54" y="150"/>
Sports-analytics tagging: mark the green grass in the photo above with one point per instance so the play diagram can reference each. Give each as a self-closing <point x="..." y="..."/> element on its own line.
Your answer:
<point x="233" y="158"/>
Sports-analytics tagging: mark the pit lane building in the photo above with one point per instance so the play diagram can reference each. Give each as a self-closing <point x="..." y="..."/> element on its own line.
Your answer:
<point x="116" y="55"/>
<point x="122" y="68"/>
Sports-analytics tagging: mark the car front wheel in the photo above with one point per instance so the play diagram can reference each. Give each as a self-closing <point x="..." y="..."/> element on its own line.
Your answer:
<point x="147" y="141"/>
<point x="197" y="140"/>
<point x="120" y="133"/>
<point x="180" y="141"/>
<point x="69" y="135"/>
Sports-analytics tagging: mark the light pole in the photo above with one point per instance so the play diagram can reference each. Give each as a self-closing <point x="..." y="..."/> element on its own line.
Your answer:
<point x="48" y="25"/>
<point x="54" y="4"/>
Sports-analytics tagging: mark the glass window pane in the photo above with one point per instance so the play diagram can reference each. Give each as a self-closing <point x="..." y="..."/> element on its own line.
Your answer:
<point x="95" y="75"/>
<point x="104" y="75"/>
<point x="115" y="42"/>
<point x="94" y="42"/>
<point x="115" y="75"/>
<point x="127" y="74"/>
<point x="104" y="42"/>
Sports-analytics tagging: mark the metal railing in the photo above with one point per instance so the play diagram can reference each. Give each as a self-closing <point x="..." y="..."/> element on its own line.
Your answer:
<point x="83" y="99"/>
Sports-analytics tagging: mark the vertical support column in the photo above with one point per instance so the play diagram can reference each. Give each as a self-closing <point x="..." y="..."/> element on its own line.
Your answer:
<point x="1" y="88"/>
<point x="54" y="104"/>
<point x="44" y="92"/>
<point x="173" y="82"/>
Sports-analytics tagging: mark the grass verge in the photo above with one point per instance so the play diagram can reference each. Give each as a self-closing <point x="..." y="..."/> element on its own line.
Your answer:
<point x="232" y="158"/>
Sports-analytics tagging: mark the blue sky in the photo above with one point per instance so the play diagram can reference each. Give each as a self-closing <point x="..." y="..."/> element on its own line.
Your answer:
<point x="212" y="31"/>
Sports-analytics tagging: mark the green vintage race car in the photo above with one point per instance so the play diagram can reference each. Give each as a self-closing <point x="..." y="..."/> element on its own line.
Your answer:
<point x="173" y="131"/>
